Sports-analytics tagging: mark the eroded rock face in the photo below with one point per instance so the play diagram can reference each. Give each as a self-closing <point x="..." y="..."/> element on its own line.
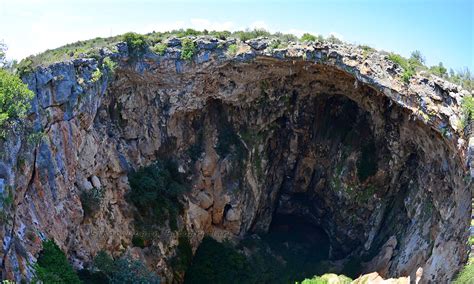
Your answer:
<point x="322" y="132"/>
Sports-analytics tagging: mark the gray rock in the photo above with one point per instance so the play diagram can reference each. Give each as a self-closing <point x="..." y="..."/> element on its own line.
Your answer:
<point x="258" y="43"/>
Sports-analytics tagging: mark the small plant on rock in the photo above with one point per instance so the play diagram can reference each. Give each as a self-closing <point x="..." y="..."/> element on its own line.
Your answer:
<point x="232" y="49"/>
<point x="91" y="201"/>
<point x="160" y="48"/>
<point x="188" y="48"/>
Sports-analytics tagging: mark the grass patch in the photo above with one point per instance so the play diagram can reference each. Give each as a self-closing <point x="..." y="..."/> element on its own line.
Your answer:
<point x="466" y="276"/>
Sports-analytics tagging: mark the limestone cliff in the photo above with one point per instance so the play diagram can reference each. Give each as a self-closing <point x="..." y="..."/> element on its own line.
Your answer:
<point x="323" y="131"/>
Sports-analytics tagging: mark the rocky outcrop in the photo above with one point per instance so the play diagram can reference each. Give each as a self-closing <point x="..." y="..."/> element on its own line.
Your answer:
<point x="322" y="131"/>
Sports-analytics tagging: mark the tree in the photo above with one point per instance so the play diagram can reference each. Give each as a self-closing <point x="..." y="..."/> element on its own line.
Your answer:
<point x="3" y="50"/>
<point x="417" y="57"/>
<point x="14" y="99"/>
<point x="439" y="70"/>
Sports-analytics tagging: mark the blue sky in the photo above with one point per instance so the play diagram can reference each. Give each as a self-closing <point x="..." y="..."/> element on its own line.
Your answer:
<point x="443" y="30"/>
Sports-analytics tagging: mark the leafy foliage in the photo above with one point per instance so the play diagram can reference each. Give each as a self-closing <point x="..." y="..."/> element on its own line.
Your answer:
<point x="184" y="255"/>
<point x="160" y="48"/>
<point x="439" y="70"/>
<point x="232" y="49"/>
<point x="96" y="75"/>
<point x="109" y="65"/>
<point x="310" y="37"/>
<point x="14" y="98"/>
<point x="91" y="201"/>
<point x="250" y="34"/>
<point x="328" y="278"/>
<point x="188" y="48"/>
<point x="466" y="275"/>
<point x="136" y="43"/>
<point x="122" y="270"/>
<point x="216" y="262"/>
<point x="52" y="266"/>
<point x="334" y="39"/>
<point x="128" y="270"/>
<point x="155" y="192"/>
<point x="408" y="66"/>
<point x="3" y="49"/>
<point x="467" y="109"/>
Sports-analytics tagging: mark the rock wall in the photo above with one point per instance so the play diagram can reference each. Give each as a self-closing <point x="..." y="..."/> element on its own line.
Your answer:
<point x="326" y="132"/>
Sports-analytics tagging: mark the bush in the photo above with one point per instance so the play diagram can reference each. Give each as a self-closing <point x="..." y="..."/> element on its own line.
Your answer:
<point x="308" y="37"/>
<point x="96" y="75"/>
<point x="188" y="48"/>
<point x="248" y="34"/>
<point x="160" y="48"/>
<point x="408" y="66"/>
<point x="184" y="253"/>
<point x="467" y="105"/>
<point x="333" y="39"/>
<point x="128" y="270"/>
<point x="216" y="262"/>
<point x="232" y="49"/>
<point x="439" y="70"/>
<point x="52" y="266"/>
<point x="15" y="99"/>
<point x="122" y="270"/>
<point x="109" y="65"/>
<point x="221" y="34"/>
<point x="156" y="192"/>
<point x="91" y="201"/>
<point x="136" y="43"/>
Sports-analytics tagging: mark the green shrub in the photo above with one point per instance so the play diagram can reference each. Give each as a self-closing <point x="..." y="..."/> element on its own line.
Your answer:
<point x="15" y="99"/>
<point x="96" y="75"/>
<point x="216" y="262"/>
<point x="136" y="43"/>
<point x="221" y="34"/>
<point x="52" y="266"/>
<point x="439" y="70"/>
<point x="128" y="270"/>
<point x="285" y="38"/>
<point x="138" y="241"/>
<point x="417" y="57"/>
<point x="232" y="49"/>
<point x="308" y="37"/>
<point x="466" y="276"/>
<point x="104" y="263"/>
<point x="333" y="39"/>
<point x="91" y="201"/>
<point x="408" y="66"/>
<point x="328" y="278"/>
<point x="110" y="65"/>
<point x="156" y="192"/>
<point x="467" y="105"/>
<point x="184" y="255"/>
<point x="160" y="48"/>
<point x="188" y="48"/>
<point x="3" y="49"/>
<point x="250" y="34"/>
<point x="122" y="270"/>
